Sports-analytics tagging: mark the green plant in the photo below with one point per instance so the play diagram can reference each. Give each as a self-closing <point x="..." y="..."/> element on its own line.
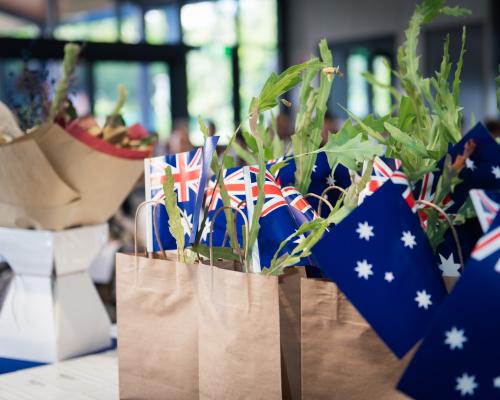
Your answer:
<point x="71" y="52"/>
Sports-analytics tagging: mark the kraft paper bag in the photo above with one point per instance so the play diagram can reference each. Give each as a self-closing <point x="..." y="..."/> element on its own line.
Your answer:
<point x="239" y="335"/>
<point x="342" y="357"/>
<point x="157" y="315"/>
<point x="289" y="301"/>
<point x="51" y="180"/>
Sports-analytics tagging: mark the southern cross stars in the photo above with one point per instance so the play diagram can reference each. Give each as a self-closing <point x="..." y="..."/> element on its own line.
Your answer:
<point x="469" y="164"/>
<point x="496" y="382"/>
<point x="495" y="170"/>
<point x="423" y="299"/>
<point x="330" y="181"/>
<point x="448" y="266"/>
<point x="466" y="384"/>
<point x="389" y="276"/>
<point x="363" y="269"/>
<point x="408" y="239"/>
<point x="455" y="338"/>
<point x="365" y="231"/>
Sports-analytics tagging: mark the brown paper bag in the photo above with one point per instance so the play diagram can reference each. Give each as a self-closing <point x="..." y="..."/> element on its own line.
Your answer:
<point x="289" y="303"/>
<point x="342" y="357"/>
<point x="51" y="180"/>
<point x="239" y="335"/>
<point x="157" y="314"/>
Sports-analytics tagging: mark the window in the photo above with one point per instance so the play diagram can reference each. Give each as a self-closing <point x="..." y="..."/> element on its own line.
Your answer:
<point x="353" y="91"/>
<point x="218" y="27"/>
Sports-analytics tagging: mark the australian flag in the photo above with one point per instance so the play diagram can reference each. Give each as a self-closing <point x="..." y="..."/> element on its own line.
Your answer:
<point x="385" y="169"/>
<point x="486" y="204"/>
<point x="381" y="259"/>
<point x="189" y="170"/>
<point x="459" y="357"/>
<point x="481" y="171"/>
<point x="276" y="221"/>
<point x="321" y="178"/>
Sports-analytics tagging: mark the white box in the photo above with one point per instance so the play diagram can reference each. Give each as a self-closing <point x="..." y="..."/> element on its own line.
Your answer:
<point x="52" y="310"/>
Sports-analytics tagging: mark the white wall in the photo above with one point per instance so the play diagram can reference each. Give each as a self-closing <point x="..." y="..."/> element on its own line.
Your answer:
<point x="342" y="20"/>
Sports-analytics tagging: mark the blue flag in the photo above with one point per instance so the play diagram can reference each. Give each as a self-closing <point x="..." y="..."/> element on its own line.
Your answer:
<point x="481" y="171"/>
<point x="321" y="178"/>
<point x="381" y="259"/>
<point x="460" y="356"/>
<point x="189" y="170"/>
<point x="276" y="221"/>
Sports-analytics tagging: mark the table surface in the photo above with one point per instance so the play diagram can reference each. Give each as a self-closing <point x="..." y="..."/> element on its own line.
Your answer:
<point x="92" y="377"/>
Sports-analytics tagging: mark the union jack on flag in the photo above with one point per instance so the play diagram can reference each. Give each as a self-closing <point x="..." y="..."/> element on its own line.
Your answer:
<point x="299" y="206"/>
<point x="234" y="181"/>
<point x="487" y="245"/>
<point x="486" y="205"/>
<point x="383" y="170"/>
<point x="186" y="170"/>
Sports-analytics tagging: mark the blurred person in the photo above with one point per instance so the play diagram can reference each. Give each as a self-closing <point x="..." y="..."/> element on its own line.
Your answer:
<point x="493" y="126"/>
<point x="212" y="129"/>
<point x="179" y="140"/>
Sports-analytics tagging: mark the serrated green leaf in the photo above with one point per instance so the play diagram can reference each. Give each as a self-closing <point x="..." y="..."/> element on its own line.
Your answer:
<point x="405" y="139"/>
<point x="340" y="149"/>
<point x="174" y="213"/>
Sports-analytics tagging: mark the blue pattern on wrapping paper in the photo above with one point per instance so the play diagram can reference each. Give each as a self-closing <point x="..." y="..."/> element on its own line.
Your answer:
<point x="275" y="227"/>
<point x="485" y="156"/>
<point x="390" y="307"/>
<point x="319" y="176"/>
<point x="473" y="306"/>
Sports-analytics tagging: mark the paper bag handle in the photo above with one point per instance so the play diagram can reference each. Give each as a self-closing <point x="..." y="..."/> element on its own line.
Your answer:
<point x="452" y="228"/>
<point x="321" y="201"/>
<point x="329" y="189"/>
<point x="247" y="234"/>
<point x="155" y="225"/>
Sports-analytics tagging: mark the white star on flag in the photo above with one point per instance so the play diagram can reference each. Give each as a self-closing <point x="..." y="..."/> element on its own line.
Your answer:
<point x="469" y="164"/>
<point x="206" y="230"/>
<point x="363" y="269"/>
<point x="365" y="231"/>
<point x="497" y="266"/>
<point x="423" y="299"/>
<point x="186" y="221"/>
<point x="389" y="277"/>
<point x="448" y="266"/>
<point x="495" y="170"/>
<point x="455" y="338"/>
<point x="466" y="384"/>
<point x="330" y="181"/>
<point x="299" y="239"/>
<point x="496" y="382"/>
<point x="314" y="168"/>
<point x="408" y="239"/>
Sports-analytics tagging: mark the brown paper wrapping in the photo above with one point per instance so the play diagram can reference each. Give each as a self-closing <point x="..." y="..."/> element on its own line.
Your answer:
<point x="50" y="180"/>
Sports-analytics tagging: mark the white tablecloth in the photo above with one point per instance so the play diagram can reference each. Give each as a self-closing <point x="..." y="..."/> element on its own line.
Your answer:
<point x="86" y="378"/>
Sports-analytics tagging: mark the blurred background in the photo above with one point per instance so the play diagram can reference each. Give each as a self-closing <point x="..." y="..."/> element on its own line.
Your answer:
<point x="181" y="59"/>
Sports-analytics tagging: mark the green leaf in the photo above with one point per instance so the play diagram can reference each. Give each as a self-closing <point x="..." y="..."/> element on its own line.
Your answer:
<point x="341" y="149"/>
<point x="405" y="139"/>
<point x="173" y="211"/>
<point x="456" y="11"/>
<point x="224" y="253"/>
<point x="203" y="127"/>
